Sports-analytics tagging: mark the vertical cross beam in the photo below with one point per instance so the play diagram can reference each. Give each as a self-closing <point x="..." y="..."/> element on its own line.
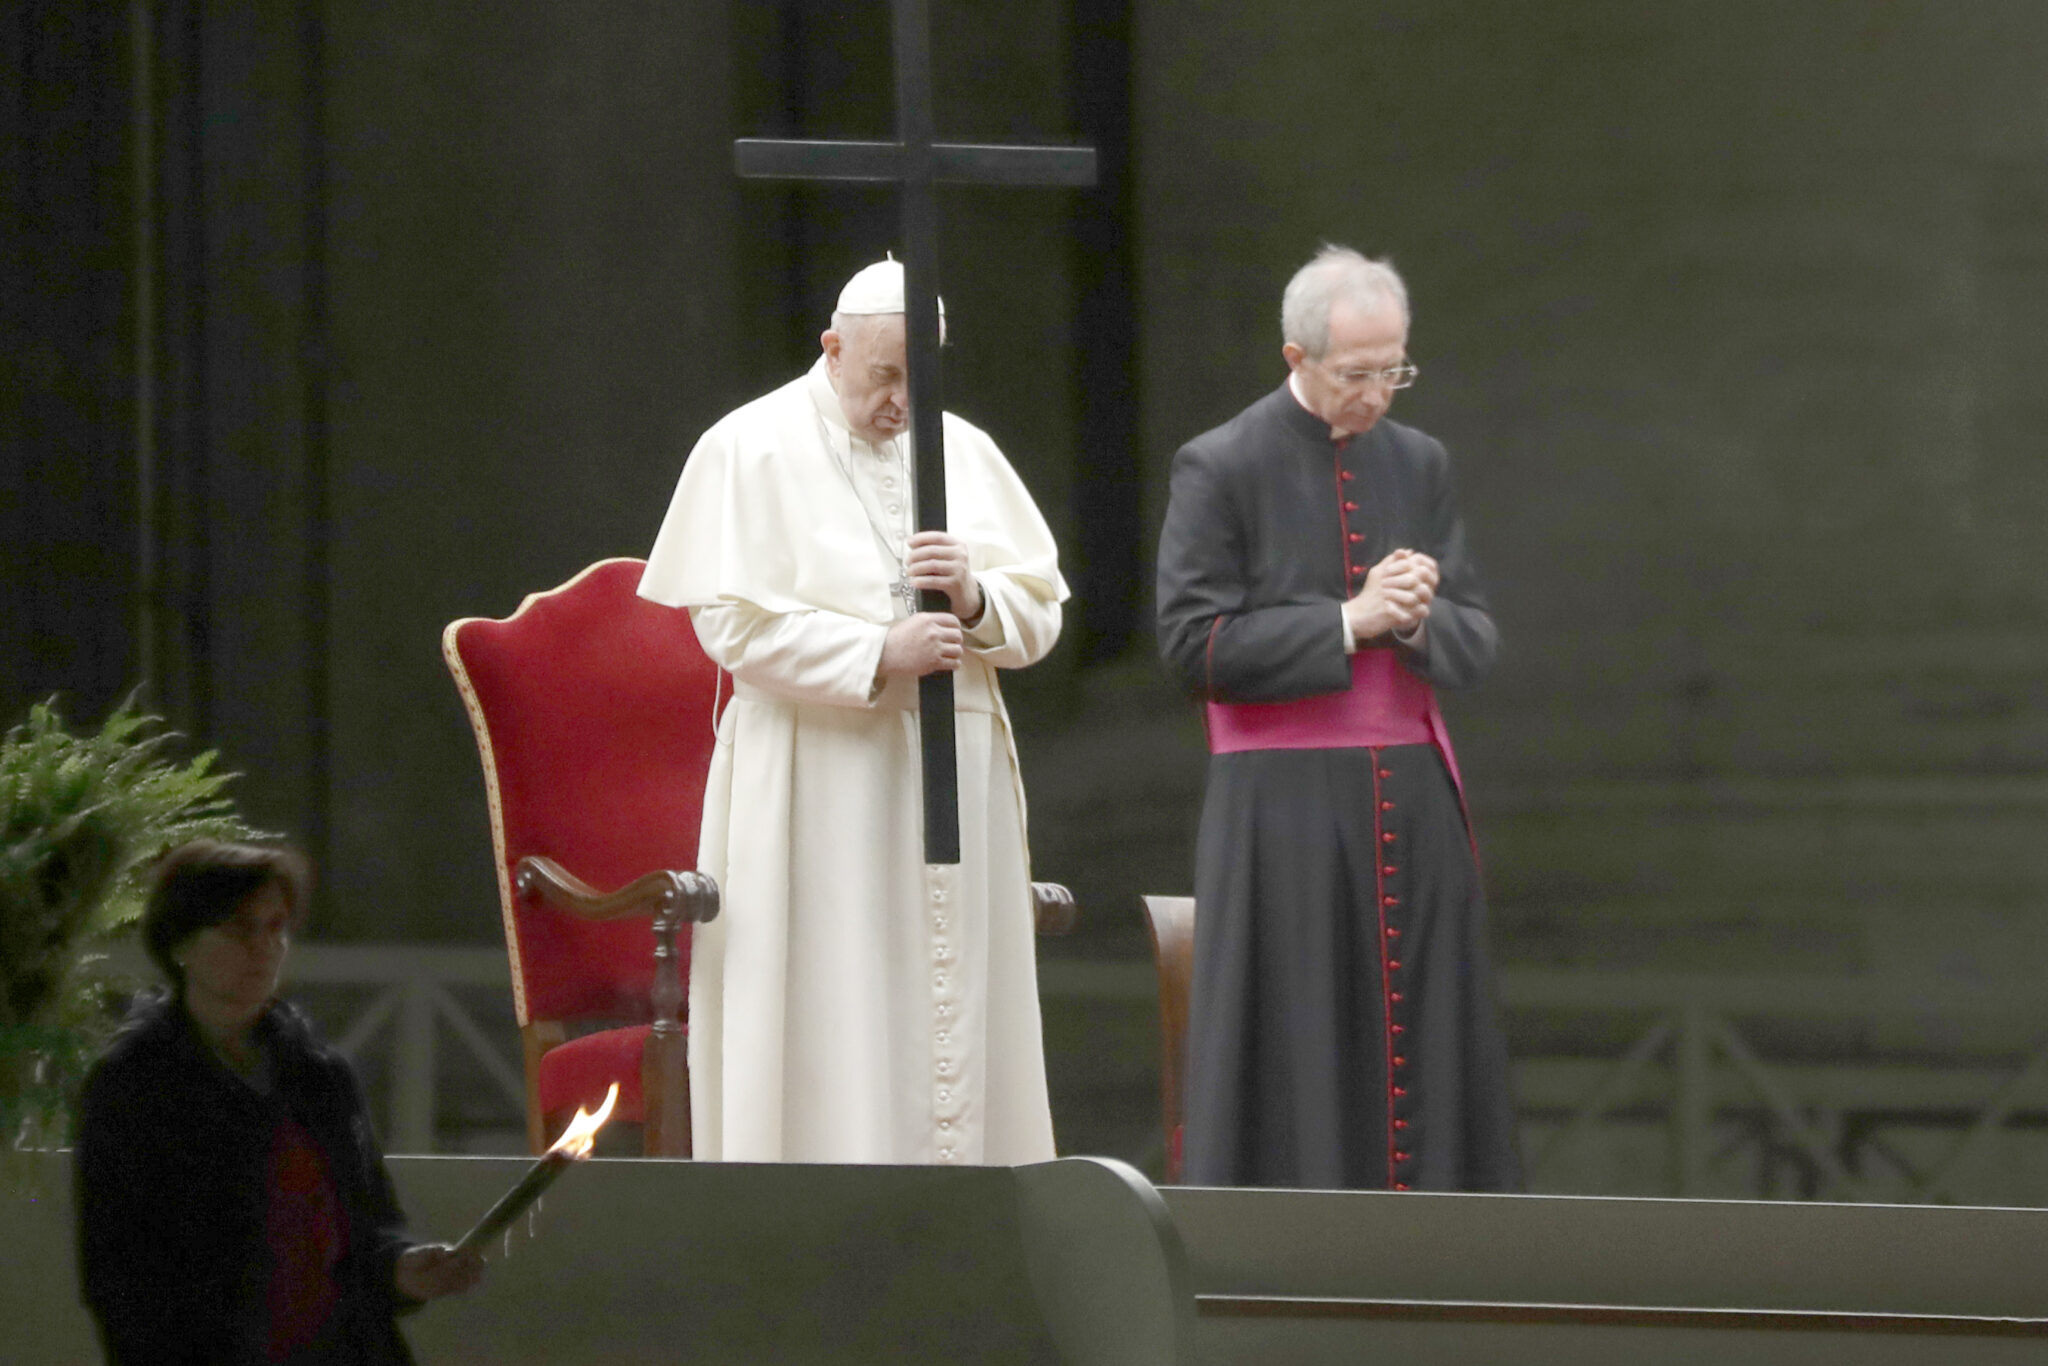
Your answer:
<point x="914" y="134"/>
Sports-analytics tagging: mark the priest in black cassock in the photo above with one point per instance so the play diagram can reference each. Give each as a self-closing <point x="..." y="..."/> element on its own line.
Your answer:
<point x="1314" y="590"/>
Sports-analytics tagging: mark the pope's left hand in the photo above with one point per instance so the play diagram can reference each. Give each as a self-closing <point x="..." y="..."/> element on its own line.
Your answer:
<point x="938" y="562"/>
<point x="427" y="1271"/>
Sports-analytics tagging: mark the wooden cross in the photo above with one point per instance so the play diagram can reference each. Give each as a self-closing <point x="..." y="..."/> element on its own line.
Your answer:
<point x="917" y="162"/>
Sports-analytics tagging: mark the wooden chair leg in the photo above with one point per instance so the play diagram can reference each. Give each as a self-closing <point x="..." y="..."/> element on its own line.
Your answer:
<point x="536" y="1039"/>
<point x="665" y="1093"/>
<point x="1171" y="920"/>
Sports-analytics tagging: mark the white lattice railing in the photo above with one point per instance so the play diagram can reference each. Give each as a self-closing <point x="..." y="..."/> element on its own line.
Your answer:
<point x="1691" y="1069"/>
<point x="1693" y="1063"/>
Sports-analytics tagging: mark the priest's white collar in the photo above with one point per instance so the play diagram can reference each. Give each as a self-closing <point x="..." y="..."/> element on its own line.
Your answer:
<point x="1294" y="387"/>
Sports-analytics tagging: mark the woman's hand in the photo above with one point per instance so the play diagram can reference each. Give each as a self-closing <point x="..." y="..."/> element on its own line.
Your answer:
<point x="427" y="1271"/>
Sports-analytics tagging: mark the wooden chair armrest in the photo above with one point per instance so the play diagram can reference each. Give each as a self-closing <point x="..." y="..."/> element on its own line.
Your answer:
<point x="671" y="897"/>
<point x="686" y="895"/>
<point x="1054" y="907"/>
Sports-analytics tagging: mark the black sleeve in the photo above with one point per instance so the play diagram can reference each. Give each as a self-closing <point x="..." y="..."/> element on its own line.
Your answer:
<point x="158" y="1298"/>
<point x="375" y="1212"/>
<point x="1461" y="641"/>
<point x="1217" y="647"/>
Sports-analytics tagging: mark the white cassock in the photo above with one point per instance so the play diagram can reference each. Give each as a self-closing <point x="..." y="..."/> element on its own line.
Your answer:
<point x="842" y="1009"/>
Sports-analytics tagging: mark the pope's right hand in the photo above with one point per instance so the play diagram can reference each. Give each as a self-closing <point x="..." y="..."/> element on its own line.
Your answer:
<point x="930" y="642"/>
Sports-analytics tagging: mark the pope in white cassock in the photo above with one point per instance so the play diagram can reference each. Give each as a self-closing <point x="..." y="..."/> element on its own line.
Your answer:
<point x="841" y="1010"/>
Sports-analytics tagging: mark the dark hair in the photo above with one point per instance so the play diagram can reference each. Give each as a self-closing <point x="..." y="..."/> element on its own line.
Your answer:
<point x="201" y="884"/>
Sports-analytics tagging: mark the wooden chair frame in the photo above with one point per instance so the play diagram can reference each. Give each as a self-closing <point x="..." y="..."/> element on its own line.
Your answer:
<point x="671" y="898"/>
<point x="1053" y="908"/>
<point x="1171" y="919"/>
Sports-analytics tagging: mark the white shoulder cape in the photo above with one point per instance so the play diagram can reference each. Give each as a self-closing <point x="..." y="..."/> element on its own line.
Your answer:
<point x="764" y="514"/>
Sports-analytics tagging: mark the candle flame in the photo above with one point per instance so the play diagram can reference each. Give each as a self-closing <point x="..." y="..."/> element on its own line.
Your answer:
<point x="581" y="1136"/>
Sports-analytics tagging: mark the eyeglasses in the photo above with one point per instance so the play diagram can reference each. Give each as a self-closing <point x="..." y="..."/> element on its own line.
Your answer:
<point x="1399" y="376"/>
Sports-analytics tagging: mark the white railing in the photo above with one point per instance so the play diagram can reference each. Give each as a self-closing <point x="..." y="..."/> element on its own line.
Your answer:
<point x="1692" y="1068"/>
<point x="412" y="1002"/>
<point x="1692" y="1062"/>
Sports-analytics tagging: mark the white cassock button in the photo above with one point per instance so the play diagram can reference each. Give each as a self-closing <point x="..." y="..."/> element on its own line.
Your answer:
<point x="938" y="893"/>
<point x="939" y="980"/>
<point x="945" y="1068"/>
<point x="945" y="1010"/>
<point x="946" y="1125"/>
<point x="944" y="1095"/>
<point x="945" y="1036"/>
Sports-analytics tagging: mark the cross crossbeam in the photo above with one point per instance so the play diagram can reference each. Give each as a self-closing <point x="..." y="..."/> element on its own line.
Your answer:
<point x="952" y="163"/>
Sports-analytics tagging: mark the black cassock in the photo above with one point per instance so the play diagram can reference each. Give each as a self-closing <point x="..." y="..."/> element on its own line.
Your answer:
<point x="1343" y="1030"/>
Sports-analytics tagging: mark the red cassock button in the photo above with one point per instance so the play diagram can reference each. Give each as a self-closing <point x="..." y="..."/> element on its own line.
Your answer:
<point x="1351" y="507"/>
<point x="1400" y="1090"/>
<point x="1395" y="997"/>
<point x="1400" y="1185"/>
<point x="1393" y="965"/>
<point x="1386" y="773"/>
<point x="1400" y="1029"/>
<point x="1386" y="806"/>
<point x="1400" y="1124"/>
<point x="1387" y="838"/>
<point x="1393" y="933"/>
<point x="1356" y="537"/>
<point x="1390" y="901"/>
<point x="1344" y="474"/>
<point x="1390" y="870"/>
<point x="1402" y="1157"/>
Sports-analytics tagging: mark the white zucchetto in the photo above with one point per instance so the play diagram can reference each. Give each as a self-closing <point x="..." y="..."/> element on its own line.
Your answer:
<point x="877" y="289"/>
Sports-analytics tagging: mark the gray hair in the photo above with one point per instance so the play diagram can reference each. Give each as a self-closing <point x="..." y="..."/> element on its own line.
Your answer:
<point x="1336" y="273"/>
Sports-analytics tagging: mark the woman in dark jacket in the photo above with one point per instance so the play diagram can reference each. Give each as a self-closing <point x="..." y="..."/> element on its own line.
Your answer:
<point x="233" y="1207"/>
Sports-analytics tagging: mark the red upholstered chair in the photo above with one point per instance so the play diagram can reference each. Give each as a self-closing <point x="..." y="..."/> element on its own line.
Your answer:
<point x="593" y="712"/>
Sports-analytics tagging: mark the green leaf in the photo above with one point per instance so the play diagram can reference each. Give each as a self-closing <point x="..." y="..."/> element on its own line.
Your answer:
<point x="82" y="817"/>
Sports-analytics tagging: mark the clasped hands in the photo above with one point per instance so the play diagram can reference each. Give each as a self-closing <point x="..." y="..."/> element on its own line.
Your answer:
<point x="1396" y="597"/>
<point x="934" y="642"/>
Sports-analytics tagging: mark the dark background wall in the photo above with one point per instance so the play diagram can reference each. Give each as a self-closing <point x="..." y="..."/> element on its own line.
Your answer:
<point x="327" y="324"/>
<point x="532" y="283"/>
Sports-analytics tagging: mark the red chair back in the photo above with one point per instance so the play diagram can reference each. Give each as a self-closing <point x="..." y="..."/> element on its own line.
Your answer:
<point x="593" y="710"/>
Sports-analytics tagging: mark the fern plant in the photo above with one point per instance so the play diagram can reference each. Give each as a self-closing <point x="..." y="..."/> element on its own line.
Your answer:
<point x="81" y="818"/>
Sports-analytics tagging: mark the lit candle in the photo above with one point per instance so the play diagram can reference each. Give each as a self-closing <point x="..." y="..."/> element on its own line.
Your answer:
<point x="573" y="1146"/>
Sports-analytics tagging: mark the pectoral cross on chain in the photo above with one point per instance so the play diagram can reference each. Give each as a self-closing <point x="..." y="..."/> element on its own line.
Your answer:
<point x="916" y="162"/>
<point x="905" y="594"/>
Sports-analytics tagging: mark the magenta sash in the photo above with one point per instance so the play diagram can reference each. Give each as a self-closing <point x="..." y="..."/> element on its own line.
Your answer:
<point x="1385" y="705"/>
